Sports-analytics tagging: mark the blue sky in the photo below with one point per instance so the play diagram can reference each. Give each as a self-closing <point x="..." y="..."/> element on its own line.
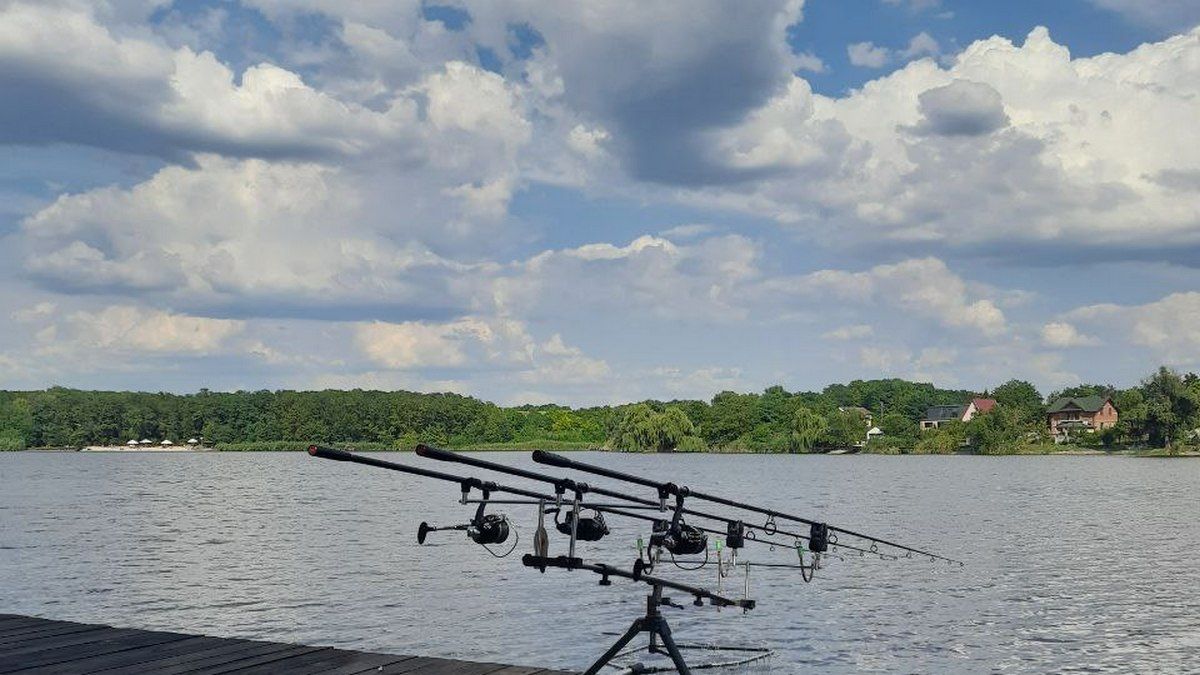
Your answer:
<point x="542" y="202"/>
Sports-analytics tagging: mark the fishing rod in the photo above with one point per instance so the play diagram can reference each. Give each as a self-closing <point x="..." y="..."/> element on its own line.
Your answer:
<point x="736" y="528"/>
<point x="586" y="529"/>
<point x="670" y="533"/>
<point x="681" y="492"/>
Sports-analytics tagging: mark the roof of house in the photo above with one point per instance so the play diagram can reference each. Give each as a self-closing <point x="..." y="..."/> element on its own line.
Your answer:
<point x="942" y="413"/>
<point x="855" y="408"/>
<point x="984" y="404"/>
<point x="1082" y="403"/>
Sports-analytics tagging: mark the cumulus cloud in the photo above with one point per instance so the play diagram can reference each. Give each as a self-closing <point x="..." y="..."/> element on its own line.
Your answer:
<point x="924" y="286"/>
<point x="650" y="275"/>
<point x="125" y="328"/>
<point x="868" y="54"/>
<point x="293" y="236"/>
<point x="1060" y="334"/>
<point x="415" y="344"/>
<point x="373" y="195"/>
<point x="1019" y="144"/>
<point x="479" y="343"/>
<point x="961" y="108"/>
<point x="1169" y="327"/>
<point x="871" y="55"/>
<point x="70" y="79"/>
<point x="667" y="78"/>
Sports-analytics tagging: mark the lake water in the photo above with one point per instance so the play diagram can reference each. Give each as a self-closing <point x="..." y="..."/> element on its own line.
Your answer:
<point x="1072" y="563"/>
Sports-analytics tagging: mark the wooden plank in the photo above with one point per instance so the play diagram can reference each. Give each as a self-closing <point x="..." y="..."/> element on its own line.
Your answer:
<point x="17" y="622"/>
<point x="119" y="640"/>
<point x="31" y="645"/>
<point x="408" y="666"/>
<point x="357" y="667"/>
<point x="343" y="662"/>
<point x="237" y="665"/>
<point x="52" y="642"/>
<point x="8" y="641"/>
<point x="131" y="657"/>
<point x="316" y="662"/>
<point x="232" y="650"/>
<point x="447" y="667"/>
<point x="42" y="643"/>
<point x="20" y="626"/>
<point x="527" y="670"/>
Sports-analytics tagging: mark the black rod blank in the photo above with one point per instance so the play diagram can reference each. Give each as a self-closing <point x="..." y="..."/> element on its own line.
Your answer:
<point x="583" y="488"/>
<point x="551" y="459"/>
<point x="344" y="456"/>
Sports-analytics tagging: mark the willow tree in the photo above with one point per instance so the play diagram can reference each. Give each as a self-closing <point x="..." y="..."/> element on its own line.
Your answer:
<point x="807" y="429"/>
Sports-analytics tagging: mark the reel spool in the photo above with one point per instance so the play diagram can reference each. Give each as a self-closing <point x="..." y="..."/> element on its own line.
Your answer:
<point x="590" y="528"/>
<point x="678" y="538"/>
<point x="491" y="529"/>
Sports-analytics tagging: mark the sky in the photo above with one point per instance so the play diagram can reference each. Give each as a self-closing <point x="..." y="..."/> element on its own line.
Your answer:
<point x="535" y="201"/>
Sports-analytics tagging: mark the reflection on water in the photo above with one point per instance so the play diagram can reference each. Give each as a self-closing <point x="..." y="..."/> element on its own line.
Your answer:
<point x="1073" y="563"/>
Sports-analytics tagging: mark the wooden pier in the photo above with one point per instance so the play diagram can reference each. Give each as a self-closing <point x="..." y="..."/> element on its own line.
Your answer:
<point x="30" y="645"/>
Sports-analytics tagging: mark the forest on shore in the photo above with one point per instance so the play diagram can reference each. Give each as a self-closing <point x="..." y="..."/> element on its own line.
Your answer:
<point x="1163" y="411"/>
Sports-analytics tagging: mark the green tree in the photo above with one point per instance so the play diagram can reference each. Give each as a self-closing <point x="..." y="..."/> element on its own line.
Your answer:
<point x="642" y="429"/>
<point x="943" y="440"/>
<point x="997" y="432"/>
<point x="730" y="417"/>
<point x="1171" y="407"/>
<point x="1021" y="396"/>
<point x="807" y="429"/>
<point x="843" y="430"/>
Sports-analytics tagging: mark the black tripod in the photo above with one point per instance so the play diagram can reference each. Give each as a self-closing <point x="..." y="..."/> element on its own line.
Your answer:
<point x="653" y="623"/>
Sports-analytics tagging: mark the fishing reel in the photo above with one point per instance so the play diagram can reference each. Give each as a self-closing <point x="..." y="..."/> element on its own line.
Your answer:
<point x="589" y="528"/>
<point x="678" y="537"/>
<point x="491" y="529"/>
<point x="484" y="529"/>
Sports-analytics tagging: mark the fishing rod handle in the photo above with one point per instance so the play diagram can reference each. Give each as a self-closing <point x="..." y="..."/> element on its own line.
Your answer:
<point x="330" y="453"/>
<point x="430" y="452"/>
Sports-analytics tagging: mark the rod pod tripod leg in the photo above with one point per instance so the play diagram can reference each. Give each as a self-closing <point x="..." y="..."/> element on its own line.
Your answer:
<point x="653" y="623"/>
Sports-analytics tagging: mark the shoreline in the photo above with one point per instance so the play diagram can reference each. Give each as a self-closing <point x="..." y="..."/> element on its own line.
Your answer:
<point x="1071" y="452"/>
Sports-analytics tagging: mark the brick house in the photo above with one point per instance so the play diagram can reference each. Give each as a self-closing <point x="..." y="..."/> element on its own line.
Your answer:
<point x="1080" y="413"/>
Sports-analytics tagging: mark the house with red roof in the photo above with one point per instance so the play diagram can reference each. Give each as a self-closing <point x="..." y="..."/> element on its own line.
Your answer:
<point x="937" y="414"/>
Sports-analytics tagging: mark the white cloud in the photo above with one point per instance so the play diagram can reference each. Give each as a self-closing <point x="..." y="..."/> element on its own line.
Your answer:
<point x="133" y="93"/>
<point x="1169" y="327"/>
<point x="125" y="329"/>
<point x="478" y="343"/>
<point x="808" y="61"/>
<point x="922" y="286"/>
<point x="852" y="332"/>
<point x="868" y="54"/>
<point x="871" y="55"/>
<point x="1164" y="14"/>
<point x="921" y="44"/>
<point x="1060" y="334"/>
<point x="38" y="312"/>
<point x="1018" y="144"/>
<point x="650" y="276"/>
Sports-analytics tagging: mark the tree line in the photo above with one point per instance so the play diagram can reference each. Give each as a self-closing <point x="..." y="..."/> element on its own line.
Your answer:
<point x="1162" y="411"/>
